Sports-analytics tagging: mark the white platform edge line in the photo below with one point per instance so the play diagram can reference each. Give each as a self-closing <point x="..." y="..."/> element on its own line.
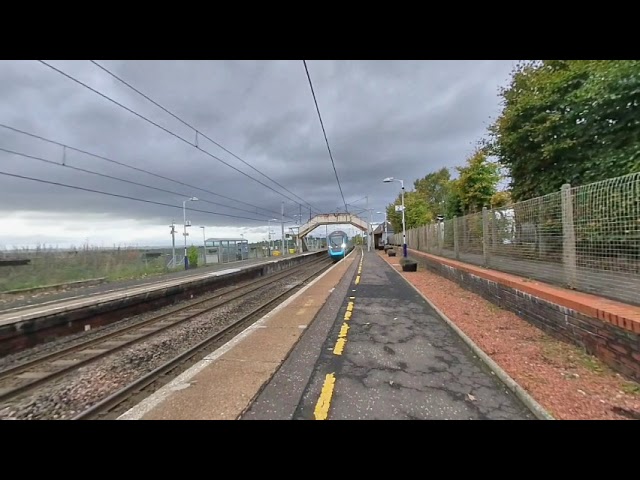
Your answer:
<point x="156" y="398"/>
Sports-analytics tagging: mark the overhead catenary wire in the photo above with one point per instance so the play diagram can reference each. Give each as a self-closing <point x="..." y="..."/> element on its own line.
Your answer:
<point x="325" y="135"/>
<point x="106" y="159"/>
<point x="127" y="197"/>
<point x="131" y="182"/>
<point x="188" y="142"/>
<point x="356" y="201"/>
<point x="197" y="131"/>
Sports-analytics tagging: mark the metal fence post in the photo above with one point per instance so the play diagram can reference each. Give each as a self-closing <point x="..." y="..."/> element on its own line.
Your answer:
<point x="425" y="242"/>
<point x="568" y="237"/>
<point x="456" y="247"/>
<point x="494" y="230"/>
<point x="539" y="236"/>
<point x="485" y="236"/>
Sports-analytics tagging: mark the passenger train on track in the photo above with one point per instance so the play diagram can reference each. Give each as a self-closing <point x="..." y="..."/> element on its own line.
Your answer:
<point x="339" y="245"/>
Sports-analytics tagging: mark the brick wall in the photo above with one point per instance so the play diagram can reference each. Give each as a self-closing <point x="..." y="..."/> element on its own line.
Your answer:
<point x="617" y="347"/>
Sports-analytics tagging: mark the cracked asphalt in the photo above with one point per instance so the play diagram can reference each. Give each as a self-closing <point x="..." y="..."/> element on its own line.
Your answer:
<point x="401" y="361"/>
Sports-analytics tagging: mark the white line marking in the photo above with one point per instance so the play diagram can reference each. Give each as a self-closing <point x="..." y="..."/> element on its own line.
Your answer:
<point x="156" y="398"/>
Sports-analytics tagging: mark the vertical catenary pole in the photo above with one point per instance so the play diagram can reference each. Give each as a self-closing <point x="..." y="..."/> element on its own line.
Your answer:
<point x="184" y="218"/>
<point x="282" y="225"/>
<point x="173" y="242"/>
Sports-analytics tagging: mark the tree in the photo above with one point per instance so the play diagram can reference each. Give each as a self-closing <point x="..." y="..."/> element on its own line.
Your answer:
<point x="500" y="199"/>
<point x="434" y="189"/>
<point x="477" y="182"/>
<point x="568" y="121"/>
<point x="453" y="204"/>
<point x="416" y="212"/>
<point x="192" y="254"/>
<point x="393" y="217"/>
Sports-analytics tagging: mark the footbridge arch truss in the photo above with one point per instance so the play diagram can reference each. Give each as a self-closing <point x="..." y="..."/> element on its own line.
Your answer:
<point x="332" y="219"/>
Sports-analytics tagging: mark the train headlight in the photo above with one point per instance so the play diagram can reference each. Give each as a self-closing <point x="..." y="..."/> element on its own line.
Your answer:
<point x="344" y="245"/>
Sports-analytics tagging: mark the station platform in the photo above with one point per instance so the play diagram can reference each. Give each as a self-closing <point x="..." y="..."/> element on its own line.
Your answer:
<point x="22" y="301"/>
<point x="357" y="343"/>
<point x="99" y="305"/>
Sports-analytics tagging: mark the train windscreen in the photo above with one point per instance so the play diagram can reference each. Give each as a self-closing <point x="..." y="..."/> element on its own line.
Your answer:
<point x="336" y="239"/>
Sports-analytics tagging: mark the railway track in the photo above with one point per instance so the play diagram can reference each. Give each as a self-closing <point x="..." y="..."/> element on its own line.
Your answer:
<point x="29" y="375"/>
<point x="104" y="407"/>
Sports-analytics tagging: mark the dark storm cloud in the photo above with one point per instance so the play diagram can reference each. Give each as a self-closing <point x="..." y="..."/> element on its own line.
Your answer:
<point x="383" y="118"/>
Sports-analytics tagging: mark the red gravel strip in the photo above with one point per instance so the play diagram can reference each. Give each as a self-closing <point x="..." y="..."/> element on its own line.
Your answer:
<point x="566" y="381"/>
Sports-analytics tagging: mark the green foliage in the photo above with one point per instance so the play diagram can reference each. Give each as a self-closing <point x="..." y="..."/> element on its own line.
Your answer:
<point x="434" y="189"/>
<point x="453" y="204"/>
<point x="192" y="255"/>
<point x="50" y="266"/>
<point x="423" y="204"/>
<point x="500" y="199"/>
<point x="568" y="121"/>
<point x="477" y="182"/>
<point x="436" y="194"/>
<point x="564" y="121"/>
<point x="395" y="218"/>
<point x="416" y="210"/>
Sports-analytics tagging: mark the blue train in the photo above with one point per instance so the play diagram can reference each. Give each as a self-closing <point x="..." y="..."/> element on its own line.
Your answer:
<point x="339" y="245"/>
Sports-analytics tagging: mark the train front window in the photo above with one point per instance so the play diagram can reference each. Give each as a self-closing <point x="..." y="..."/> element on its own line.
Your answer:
<point x="335" y="241"/>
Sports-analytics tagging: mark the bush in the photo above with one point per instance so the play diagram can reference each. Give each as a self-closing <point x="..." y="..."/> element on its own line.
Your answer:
<point x="192" y="254"/>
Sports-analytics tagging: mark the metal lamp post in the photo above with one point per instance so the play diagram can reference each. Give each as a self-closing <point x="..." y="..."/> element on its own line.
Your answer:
<point x="404" y="230"/>
<point x="184" y="215"/>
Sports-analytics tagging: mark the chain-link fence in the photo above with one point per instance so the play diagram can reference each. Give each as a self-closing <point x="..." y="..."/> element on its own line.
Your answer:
<point x="585" y="238"/>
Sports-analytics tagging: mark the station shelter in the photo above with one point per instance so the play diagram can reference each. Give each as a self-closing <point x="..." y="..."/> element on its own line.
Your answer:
<point x="226" y="250"/>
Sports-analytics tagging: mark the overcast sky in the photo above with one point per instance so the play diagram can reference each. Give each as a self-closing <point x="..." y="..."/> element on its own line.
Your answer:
<point x="383" y="118"/>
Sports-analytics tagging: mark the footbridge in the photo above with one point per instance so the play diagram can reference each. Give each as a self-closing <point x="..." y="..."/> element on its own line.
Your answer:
<point x="332" y="219"/>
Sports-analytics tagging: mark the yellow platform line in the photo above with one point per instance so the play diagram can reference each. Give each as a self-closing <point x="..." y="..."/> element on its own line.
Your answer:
<point x="337" y="350"/>
<point x="343" y="331"/>
<point x="321" y="412"/>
